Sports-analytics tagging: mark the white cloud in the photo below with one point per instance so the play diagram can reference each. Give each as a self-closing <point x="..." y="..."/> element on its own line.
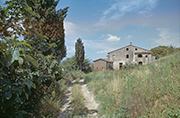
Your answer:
<point x="122" y="7"/>
<point x="103" y="51"/>
<point x="129" y="37"/>
<point x="71" y="30"/>
<point x="71" y="49"/>
<point x="166" y="37"/>
<point x="100" y="45"/>
<point x="112" y="38"/>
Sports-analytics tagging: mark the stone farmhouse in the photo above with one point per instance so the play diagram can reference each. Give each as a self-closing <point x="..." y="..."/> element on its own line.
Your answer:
<point x="128" y="54"/>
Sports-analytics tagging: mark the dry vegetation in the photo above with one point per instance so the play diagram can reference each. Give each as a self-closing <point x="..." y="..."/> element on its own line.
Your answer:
<point x="78" y="105"/>
<point x="145" y="91"/>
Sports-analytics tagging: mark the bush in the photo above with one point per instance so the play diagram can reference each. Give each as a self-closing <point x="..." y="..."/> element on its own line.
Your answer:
<point x="129" y="66"/>
<point x="51" y="103"/>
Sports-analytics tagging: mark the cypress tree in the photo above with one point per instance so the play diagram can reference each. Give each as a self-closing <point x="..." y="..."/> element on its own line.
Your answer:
<point x="79" y="54"/>
<point x="49" y="24"/>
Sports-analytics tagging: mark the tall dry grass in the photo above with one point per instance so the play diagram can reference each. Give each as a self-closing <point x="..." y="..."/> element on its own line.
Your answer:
<point x="78" y="105"/>
<point x="146" y="91"/>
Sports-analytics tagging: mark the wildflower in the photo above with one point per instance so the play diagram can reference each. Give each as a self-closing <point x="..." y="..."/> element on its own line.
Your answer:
<point x="53" y="92"/>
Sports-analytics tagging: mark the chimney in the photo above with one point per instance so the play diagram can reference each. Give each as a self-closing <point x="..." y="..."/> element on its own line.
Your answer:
<point x="130" y="43"/>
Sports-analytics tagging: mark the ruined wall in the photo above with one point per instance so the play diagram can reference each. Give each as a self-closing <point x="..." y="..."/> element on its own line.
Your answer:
<point x="145" y="59"/>
<point x="109" y="65"/>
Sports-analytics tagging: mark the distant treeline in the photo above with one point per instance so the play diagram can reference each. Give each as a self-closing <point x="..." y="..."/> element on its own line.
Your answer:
<point x="162" y="51"/>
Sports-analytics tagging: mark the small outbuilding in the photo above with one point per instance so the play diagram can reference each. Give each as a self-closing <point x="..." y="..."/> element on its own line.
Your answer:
<point x="102" y="64"/>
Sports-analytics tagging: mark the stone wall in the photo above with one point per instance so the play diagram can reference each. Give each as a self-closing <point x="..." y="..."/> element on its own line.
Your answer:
<point x="99" y="65"/>
<point x="127" y="55"/>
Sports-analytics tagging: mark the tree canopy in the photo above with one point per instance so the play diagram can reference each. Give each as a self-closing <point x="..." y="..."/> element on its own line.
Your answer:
<point x="162" y="51"/>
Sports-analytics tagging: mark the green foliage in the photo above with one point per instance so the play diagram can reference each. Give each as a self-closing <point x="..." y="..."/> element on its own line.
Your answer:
<point x="86" y="67"/>
<point x="28" y="79"/>
<point x="12" y="16"/>
<point x="49" y="24"/>
<point x="146" y="91"/>
<point x="79" y="53"/>
<point x="50" y="104"/>
<point x="130" y="66"/>
<point x="15" y="91"/>
<point x="70" y="65"/>
<point x="162" y="51"/>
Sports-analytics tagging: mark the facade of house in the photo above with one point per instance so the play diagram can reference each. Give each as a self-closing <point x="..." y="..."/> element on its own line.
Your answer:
<point x="127" y="54"/>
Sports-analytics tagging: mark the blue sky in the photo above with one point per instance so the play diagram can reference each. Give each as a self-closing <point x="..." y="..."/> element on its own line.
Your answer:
<point x="105" y="25"/>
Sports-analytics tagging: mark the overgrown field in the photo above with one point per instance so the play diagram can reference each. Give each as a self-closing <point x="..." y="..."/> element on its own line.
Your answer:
<point x="146" y="91"/>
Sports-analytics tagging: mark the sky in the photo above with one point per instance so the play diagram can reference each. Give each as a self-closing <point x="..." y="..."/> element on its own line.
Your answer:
<point x="106" y="25"/>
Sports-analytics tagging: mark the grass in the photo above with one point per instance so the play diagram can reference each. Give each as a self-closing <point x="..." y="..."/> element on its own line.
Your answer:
<point x="146" y="91"/>
<point x="51" y="103"/>
<point x="74" y="75"/>
<point x="78" y="101"/>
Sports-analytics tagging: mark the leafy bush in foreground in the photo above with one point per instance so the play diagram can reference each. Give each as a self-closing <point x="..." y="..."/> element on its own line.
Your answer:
<point x="28" y="79"/>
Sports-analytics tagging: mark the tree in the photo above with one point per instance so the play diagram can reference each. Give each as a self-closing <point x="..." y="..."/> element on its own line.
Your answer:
<point x="27" y="77"/>
<point x="70" y="65"/>
<point x="17" y="90"/>
<point x="79" y="54"/>
<point x="12" y="16"/>
<point x="50" y="24"/>
<point x="162" y="51"/>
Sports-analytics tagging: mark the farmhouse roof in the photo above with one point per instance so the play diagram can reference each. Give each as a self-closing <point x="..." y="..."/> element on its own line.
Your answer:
<point x="127" y="46"/>
<point x="106" y="60"/>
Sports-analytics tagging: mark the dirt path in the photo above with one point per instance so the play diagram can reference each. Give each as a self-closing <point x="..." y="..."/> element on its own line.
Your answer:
<point x="90" y="102"/>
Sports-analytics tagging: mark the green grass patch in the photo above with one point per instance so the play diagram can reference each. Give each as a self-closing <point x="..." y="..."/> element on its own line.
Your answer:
<point x="78" y="105"/>
<point x="146" y="91"/>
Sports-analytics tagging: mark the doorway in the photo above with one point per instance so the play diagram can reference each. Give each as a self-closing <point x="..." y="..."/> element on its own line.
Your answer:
<point x="140" y="63"/>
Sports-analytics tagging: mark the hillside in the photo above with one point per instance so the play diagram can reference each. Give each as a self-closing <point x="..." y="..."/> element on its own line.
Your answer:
<point x="146" y="91"/>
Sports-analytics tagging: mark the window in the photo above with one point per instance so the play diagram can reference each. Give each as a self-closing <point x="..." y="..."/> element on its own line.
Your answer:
<point x="139" y="55"/>
<point x="135" y="48"/>
<point x="146" y="56"/>
<point x="113" y="57"/>
<point x="127" y="56"/>
<point x="127" y="49"/>
<point x="120" y="65"/>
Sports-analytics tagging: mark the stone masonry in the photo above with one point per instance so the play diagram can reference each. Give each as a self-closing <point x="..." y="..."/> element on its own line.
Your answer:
<point x="127" y="54"/>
